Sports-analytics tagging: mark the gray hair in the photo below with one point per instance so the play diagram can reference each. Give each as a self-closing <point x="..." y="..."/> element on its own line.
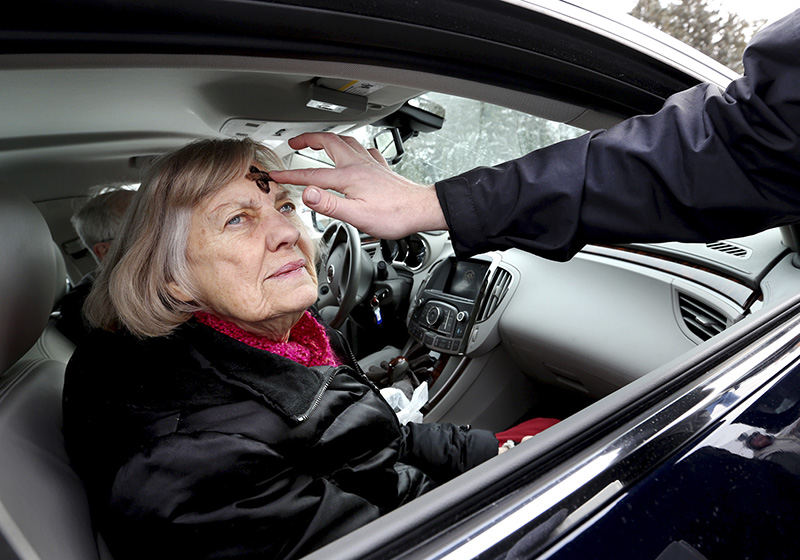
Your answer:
<point x="100" y="218"/>
<point x="132" y="290"/>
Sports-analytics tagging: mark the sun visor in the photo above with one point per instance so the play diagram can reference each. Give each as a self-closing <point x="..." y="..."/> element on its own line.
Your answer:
<point x="326" y="99"/>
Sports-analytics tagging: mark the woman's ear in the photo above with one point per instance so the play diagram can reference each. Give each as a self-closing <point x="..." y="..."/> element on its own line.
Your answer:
<point x="176" y="291"/>
<point x="100" y="250"/>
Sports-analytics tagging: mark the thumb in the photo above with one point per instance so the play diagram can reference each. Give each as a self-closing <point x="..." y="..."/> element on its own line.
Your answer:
<point x="323" y="202"/>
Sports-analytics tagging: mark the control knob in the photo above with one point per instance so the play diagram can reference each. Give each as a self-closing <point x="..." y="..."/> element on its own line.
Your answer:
<point x="432" y="315"/>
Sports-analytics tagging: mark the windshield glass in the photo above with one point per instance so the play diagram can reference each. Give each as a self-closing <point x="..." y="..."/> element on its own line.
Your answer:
<point x="473" y="134"/>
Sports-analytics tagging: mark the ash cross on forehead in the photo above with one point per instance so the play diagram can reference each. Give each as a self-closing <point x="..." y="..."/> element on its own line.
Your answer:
<point x="260" y="177"/>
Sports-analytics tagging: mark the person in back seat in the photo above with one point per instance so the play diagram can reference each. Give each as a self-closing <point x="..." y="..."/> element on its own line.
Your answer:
<point x="97" y="223"/>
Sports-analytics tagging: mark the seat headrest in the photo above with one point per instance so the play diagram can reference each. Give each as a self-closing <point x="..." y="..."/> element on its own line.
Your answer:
<point x="27" y="276"/>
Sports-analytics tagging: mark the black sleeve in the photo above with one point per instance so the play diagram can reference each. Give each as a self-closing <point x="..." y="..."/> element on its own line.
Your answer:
<point x="444" y="451"/>
<point x="709" y="165"/>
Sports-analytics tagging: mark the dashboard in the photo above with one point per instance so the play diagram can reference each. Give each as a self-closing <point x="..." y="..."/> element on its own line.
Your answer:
<point x="510" y="321"/>
<point x="594" y="323"/>
<point x="409" y="251"/>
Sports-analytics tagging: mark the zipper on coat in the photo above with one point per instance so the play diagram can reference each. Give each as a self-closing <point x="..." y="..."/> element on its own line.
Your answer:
<point x="318" y="397"/>
<point x="357" y="368"/>
<point x="352" y="357"/>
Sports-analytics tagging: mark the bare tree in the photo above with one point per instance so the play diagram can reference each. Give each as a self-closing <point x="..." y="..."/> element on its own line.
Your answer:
<point x="723" y="37"/>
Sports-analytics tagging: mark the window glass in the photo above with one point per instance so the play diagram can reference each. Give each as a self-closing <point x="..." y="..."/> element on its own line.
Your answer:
<point x="474" y="134"/>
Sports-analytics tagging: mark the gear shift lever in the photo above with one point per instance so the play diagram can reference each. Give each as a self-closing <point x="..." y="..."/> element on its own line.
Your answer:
<point x="398" y="368"/>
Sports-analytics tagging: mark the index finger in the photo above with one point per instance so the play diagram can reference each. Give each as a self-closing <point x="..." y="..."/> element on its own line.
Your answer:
<point x="326" y="178"/>
<point x="333" y="144"/>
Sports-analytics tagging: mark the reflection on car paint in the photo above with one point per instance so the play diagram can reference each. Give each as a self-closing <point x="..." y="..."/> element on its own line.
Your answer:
<point x="719" y="496"/>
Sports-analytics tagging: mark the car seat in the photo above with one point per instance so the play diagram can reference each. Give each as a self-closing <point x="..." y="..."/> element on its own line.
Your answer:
<point x="52" y="344"/>
<point x="44" y="513"/>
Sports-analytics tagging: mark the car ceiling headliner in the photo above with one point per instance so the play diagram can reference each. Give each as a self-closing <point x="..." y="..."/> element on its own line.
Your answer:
<point x="143" y="81"/>
<point x="73" y="121"/>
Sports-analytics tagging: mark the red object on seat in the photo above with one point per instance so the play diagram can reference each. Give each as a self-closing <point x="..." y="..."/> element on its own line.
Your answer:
<point x="528" y="428"/>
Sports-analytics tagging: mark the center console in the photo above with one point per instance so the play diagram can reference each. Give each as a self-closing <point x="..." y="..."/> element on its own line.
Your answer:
<point x="446" y="303"/>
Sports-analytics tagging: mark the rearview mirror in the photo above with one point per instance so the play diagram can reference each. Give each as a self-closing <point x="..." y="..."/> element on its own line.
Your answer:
<point x="414" y="116"/>
<point x="389" y="143"/>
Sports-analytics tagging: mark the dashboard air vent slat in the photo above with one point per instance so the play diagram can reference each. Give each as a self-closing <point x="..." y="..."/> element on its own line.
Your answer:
<point x="700" y="318"/>
<point x="495" y="292"/>
<point x="729" y="248"/>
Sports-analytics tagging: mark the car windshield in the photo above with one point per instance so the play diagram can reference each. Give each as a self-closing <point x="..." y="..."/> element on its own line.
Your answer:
<point x="473" y="134"/>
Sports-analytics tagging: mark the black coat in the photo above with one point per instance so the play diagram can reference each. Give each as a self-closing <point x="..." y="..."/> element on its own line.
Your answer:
<point x="709" y="165"/>
<point x="196" y="445"/>
<point x="70" y="320"/>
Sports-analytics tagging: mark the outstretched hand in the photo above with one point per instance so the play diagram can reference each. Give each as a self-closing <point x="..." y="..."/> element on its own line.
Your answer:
<point x="376" y="200"/>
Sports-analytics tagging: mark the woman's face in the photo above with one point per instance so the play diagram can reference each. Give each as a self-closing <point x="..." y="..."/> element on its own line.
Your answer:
<point x="251" y="258"/>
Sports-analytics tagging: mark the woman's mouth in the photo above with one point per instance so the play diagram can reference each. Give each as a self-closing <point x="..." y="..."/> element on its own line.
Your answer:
<point x="288" y="269"/>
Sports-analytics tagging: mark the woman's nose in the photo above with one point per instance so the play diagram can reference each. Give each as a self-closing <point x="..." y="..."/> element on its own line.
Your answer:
<point x="280" y="231"/>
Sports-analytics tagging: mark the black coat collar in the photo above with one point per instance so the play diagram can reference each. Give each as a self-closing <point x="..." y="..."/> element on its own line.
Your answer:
<point x="284" y="385"/>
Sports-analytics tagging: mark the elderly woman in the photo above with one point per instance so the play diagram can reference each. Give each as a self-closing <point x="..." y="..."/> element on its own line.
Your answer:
<point x="208" y="414"/>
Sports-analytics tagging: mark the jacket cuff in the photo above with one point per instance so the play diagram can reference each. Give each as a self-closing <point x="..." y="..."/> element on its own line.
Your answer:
<point x="458" y="207"/>
<point x="532" y="203"/>
<point x="482" y="446"/>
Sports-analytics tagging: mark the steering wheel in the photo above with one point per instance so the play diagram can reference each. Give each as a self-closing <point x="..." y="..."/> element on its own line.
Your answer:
<point x="342" y="266"/>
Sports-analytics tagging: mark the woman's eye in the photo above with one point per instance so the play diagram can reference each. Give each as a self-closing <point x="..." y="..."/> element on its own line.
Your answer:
<point x="287" y="207"/>
<point x="236" y="220"/>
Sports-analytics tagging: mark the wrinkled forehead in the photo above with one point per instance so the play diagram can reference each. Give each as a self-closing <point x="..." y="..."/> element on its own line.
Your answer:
<point x="245" y="193"/>
<point x="243" y="188"/>
<point x="245" y="179"/>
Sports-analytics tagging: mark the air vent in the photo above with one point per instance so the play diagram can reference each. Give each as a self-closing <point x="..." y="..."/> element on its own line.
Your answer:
<point x="729" y="248"/>
<point x="495" y="292"/>
<point x="700" y="318"/>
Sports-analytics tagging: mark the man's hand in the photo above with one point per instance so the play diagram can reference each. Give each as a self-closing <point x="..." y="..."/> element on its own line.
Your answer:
<point x="376" y="200"/>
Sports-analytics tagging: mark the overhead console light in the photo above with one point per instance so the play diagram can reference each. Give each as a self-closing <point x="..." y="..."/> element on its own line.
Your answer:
<point x="334" y="101"/>
<point x="276" y="132"/>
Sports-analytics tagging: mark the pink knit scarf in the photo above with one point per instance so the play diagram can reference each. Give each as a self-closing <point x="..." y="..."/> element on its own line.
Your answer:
<point x="308" y="342"/>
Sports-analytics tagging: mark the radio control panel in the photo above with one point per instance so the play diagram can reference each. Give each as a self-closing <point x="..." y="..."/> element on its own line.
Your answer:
<point x="445" y="304"/>
<point x="441" y="325"/>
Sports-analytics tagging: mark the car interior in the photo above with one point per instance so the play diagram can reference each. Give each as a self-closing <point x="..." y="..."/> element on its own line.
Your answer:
<point x="495" y="339"/>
